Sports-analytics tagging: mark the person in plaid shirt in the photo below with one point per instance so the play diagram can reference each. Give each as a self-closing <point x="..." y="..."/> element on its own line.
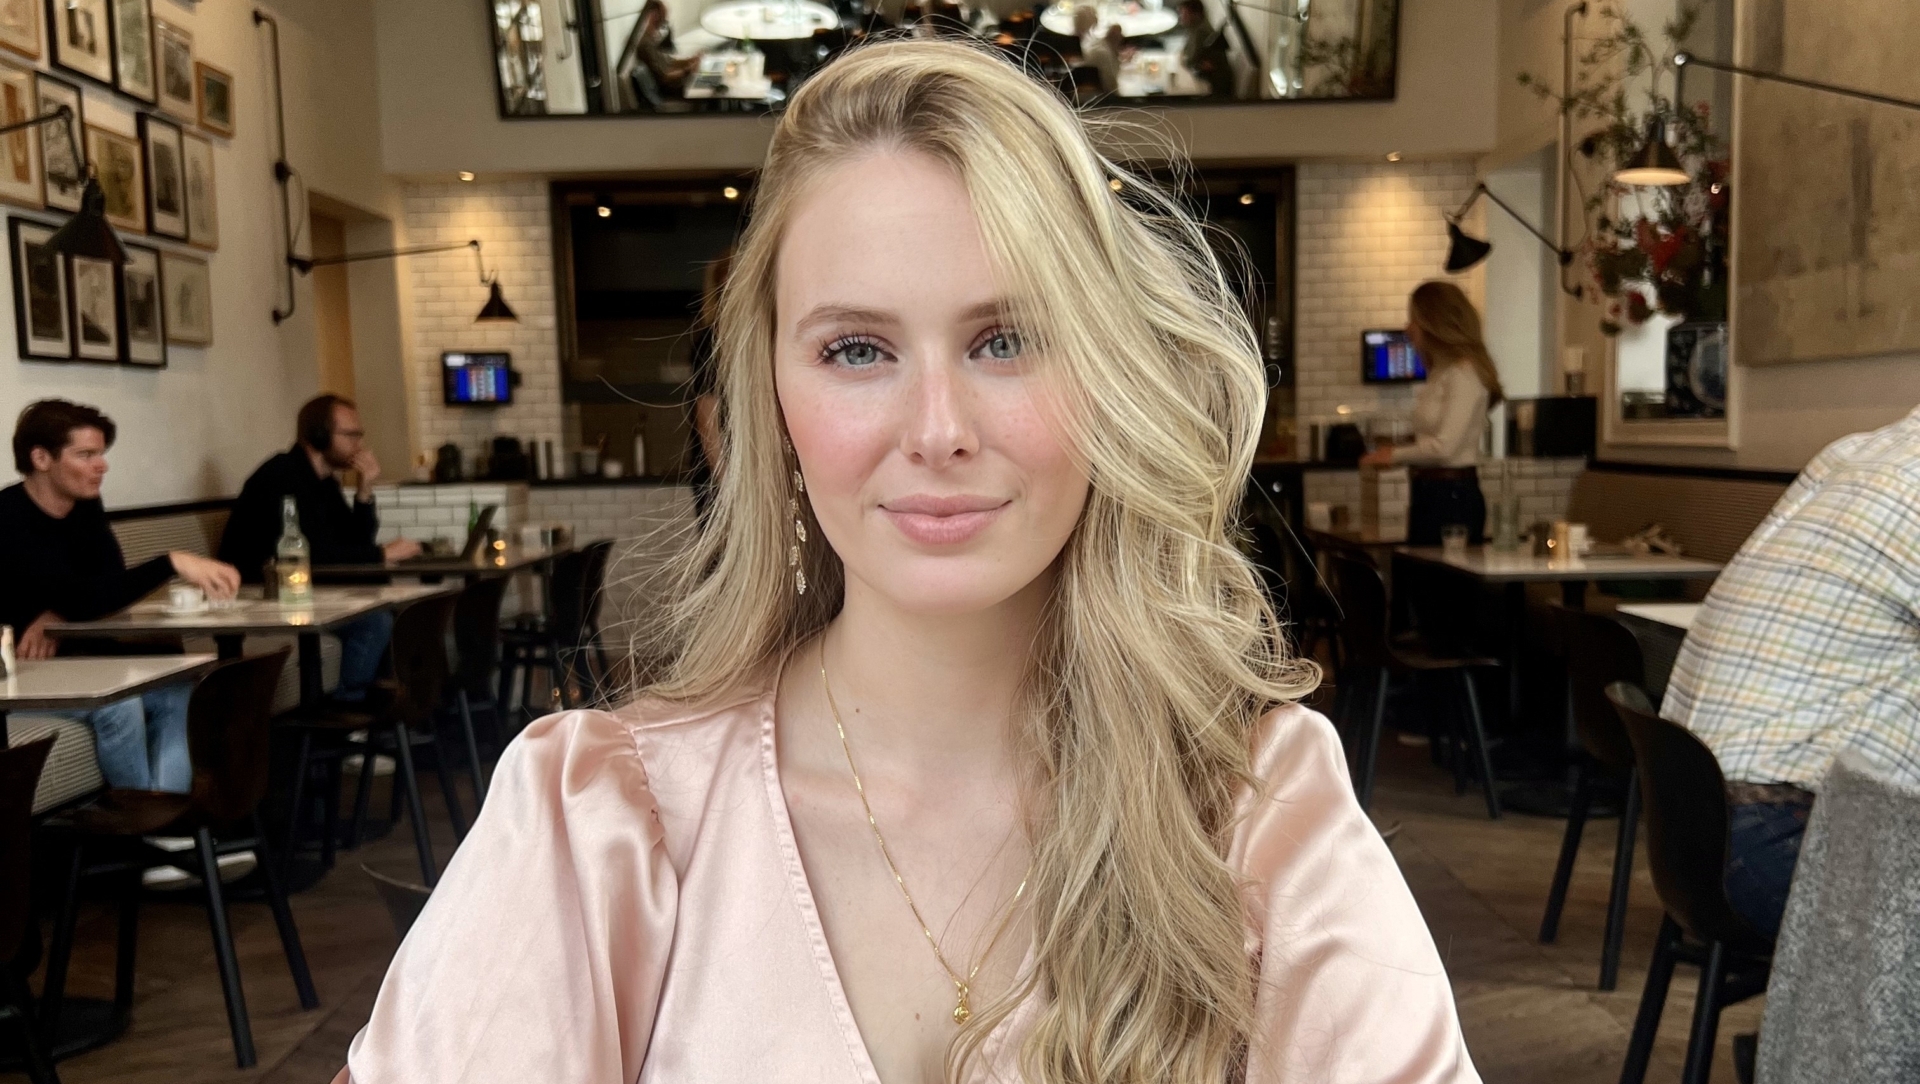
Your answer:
<point x="1809" y="643"/>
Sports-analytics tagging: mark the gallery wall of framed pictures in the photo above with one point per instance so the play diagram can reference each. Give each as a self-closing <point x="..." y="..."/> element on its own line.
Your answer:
<point x="158" y="178"/>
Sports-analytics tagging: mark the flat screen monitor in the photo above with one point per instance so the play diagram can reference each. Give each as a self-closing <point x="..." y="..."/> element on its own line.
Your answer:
<point x="1387" y="356"/>
<point x="470" y="378"/>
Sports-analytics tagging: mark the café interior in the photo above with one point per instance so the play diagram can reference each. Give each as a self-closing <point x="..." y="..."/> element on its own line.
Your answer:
<point x="490" y="225"/>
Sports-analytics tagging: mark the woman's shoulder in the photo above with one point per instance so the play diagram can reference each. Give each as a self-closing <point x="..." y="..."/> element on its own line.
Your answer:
<point x="1300" y="805"/>
<point x="644" y="743"/>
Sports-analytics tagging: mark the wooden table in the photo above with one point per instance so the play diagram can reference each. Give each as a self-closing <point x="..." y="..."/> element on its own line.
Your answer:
<point x="1513" y="570"/>
<point x="505" y="560"/>
<point x="82" y="684"/>
<point x="251" y="615"/>
<point x="1674" y="615"/>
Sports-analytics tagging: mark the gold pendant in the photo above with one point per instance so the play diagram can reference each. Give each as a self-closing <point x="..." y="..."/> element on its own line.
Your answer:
<point x="960" y="1010"/>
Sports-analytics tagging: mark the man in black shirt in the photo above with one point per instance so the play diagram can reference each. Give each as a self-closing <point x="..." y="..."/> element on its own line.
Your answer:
<point x="59" y="560"/>
<point x="328" y="440"/>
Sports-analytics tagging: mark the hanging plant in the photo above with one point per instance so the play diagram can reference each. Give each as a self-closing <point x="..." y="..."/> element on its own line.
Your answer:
<point x="1648" y="249"/>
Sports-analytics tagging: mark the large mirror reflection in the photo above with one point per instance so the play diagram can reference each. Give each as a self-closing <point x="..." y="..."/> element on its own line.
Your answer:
<point x="569" y="57"/>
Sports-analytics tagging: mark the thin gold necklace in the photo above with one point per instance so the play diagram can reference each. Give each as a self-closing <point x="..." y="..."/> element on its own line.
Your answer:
<point x="962" y="987"/>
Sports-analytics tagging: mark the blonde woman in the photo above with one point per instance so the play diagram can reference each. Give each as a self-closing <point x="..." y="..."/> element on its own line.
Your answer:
<point x="1449" y="416"/>
<point x="977" y="756"/>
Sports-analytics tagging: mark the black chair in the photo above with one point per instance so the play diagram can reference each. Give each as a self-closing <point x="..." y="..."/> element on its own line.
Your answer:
<point x="1600" y="651"/>
<point x="404" y="899"/>
<point x="229" y="720"/>
<point x="566" y="640"/>
<point x="1688" y="845"/>
<point x="19" y="777"/>
<point x="1375" y="657"/>
<point x="401" y="719"/>
<point x="476" y="645"/>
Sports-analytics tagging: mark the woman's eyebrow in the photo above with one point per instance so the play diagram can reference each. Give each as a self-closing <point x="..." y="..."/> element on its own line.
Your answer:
<point x="831" y="313"/>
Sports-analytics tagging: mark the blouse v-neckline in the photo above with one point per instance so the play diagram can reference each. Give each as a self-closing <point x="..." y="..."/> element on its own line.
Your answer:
<point x="803" y="898"/>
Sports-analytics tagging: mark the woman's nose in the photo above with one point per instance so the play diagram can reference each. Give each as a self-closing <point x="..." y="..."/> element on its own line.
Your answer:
<point x="940" y="426"/>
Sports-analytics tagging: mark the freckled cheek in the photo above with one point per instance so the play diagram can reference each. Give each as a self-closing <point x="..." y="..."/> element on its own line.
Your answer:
<point x="839" y="442"/>
<point x="1025" y="431"/>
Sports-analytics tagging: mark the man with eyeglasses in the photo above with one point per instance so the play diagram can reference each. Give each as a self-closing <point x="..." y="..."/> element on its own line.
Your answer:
<point x="329" y="440"/>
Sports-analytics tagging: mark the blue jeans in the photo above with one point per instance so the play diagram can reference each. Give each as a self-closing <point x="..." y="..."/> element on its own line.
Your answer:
<point x="141" y="742"/>
<point x="362" y="645"/>
<point x="1766" y="847"/>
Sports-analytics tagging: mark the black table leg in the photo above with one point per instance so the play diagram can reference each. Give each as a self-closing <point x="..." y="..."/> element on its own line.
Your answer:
<point x="5" y="741"/>
<point x="1554" y="797"/>
<point x="312" y="682"/>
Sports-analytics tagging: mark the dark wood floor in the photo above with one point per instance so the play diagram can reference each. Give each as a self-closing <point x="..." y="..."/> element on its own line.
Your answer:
<point x="1530" y="1011"/>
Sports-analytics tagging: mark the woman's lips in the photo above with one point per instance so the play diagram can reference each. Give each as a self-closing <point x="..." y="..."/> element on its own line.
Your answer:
<point x="943" y="521"/>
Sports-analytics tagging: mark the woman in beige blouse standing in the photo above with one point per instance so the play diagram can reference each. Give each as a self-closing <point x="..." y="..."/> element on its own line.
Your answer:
<point x="1449" y="416"/>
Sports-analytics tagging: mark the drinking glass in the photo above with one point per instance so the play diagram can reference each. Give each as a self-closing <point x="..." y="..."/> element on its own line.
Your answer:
<point x="1453" y="538"/>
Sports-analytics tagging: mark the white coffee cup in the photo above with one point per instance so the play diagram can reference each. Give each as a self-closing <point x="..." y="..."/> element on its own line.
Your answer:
<point x="1578" y="543"/>
<point x="185" y="596"/>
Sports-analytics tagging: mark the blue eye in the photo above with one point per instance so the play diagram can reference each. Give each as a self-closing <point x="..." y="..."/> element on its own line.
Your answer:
<point x="1003" y="346"/>
<point x="853" y="353"/>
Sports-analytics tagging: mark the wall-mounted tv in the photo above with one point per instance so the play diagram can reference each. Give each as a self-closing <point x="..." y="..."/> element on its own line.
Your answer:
<point x="1387" y="356"/>
<point x="471" y="379"/>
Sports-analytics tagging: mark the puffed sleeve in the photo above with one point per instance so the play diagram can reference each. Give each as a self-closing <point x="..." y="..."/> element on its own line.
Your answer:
<point x="540" y="955"/>
<point x="1351" y="988"/>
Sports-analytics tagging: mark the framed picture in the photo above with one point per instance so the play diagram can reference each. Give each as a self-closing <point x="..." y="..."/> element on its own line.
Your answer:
<point x="95" y="289"/>
<point x="188" y="293"/>
<point x="39" y="293"/>
<point x="117" y="165"/>
<point x="173" y="50"/>
<point x="81" y="40"/>
<point x="143" y="325"/>
<point x="133" y="50"/>
<point x="166" y="177"/>
<point x="20" y="27"/>
<point x="63" y="154"/>
<point x="20" y="180"/>
<point x="216" y="98"/>
<point x="203" y="197"/>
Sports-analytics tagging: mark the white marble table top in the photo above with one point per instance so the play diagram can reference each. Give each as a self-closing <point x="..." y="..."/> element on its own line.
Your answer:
<point x="80" y="683"/>
<point x="1135" y="20"/>
<point x="1677" y="615"/>
<point x="1521" y="566"/>
<point x="252" y="615"/>
<point x="767" y="20"/>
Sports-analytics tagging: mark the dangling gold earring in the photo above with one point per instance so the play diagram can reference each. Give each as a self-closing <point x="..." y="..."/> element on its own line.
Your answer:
<point x="799" y="525"/>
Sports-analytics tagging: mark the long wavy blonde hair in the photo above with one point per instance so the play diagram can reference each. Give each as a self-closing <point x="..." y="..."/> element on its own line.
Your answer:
<point x="1159" y="651"/>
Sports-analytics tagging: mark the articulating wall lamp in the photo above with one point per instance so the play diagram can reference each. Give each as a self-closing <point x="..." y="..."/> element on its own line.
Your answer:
<point x="87" y="232"/>
<point x="496" y="309"/>
<point x="1656" y="164"/>
<point x="1464" y="252"/>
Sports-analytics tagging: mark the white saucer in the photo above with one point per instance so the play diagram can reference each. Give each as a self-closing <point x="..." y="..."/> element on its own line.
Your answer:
<point x="189" y="611"/>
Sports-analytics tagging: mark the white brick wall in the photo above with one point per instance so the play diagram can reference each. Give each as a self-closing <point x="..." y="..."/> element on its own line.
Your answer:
<point x="424" y="513"/>
<point x="1368" y="234"/>
<point x="1543" y="485"/>
<point x="512" y="221"/>
<point x="645" y="522"/>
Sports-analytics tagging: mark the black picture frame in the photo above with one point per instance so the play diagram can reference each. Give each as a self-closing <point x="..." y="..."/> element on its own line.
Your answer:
<point x="113" y="352"/>
<point x="54" y="276"/>
<point x="52" y="142"/>
<point x="157" y="135"/>
<point x="63" y="58"/>
<point x="121" y="82"/>
<point x="137" y="256"/>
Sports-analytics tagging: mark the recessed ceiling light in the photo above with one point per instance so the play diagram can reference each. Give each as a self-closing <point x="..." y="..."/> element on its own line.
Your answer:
<point x="1246" y="199"/>
<point x="730" y="192"/>
<point x="1114" y="184"/>
<point x="1393" y="156"/>
<point x="605" y="211"/>
<point x="466" y="175"/>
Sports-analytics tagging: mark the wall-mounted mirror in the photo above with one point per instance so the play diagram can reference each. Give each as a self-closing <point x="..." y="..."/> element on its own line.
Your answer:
<point x="572" y="57"/>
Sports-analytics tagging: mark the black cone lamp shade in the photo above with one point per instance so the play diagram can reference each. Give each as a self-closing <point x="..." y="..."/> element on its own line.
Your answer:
<point x="88" y="233"/>
<point x="1463" y="251"/>
<point x="1655" y="164"/>
<point x="496" y="310"/>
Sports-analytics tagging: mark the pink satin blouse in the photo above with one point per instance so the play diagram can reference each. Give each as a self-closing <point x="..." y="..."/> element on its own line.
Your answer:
<point x="631" y="906"/>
